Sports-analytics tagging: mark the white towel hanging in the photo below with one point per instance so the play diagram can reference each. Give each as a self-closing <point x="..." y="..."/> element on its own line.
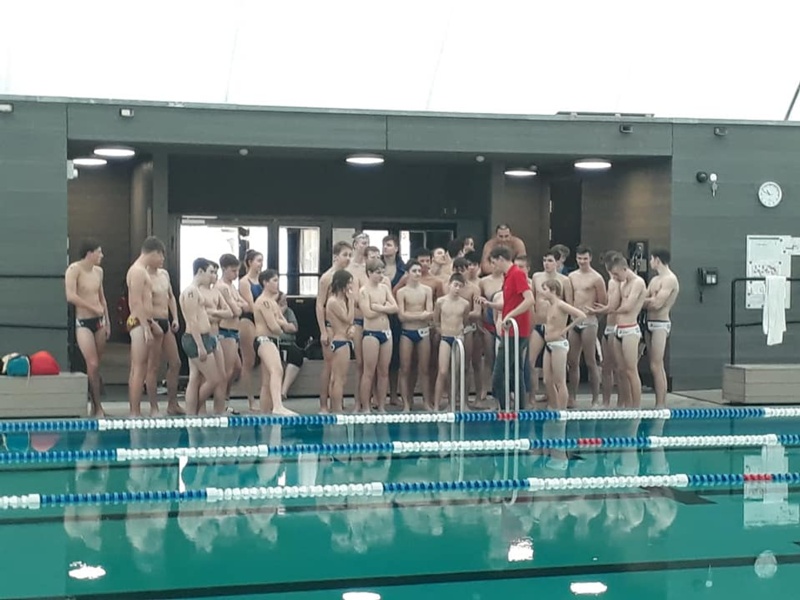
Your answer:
<point x="774" y="316"/>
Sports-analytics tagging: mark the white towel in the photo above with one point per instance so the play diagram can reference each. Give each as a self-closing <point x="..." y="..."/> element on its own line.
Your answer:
<point x="774" y="319"/>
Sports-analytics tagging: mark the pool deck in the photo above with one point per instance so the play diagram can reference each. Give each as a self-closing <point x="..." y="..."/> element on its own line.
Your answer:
<point x="115" y="401"/>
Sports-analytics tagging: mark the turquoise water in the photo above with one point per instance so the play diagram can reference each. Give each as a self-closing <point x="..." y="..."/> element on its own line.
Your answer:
<point x="638" y="543"/>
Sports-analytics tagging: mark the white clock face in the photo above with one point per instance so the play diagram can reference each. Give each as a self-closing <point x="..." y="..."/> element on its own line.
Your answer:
<point x="770" y="194"/>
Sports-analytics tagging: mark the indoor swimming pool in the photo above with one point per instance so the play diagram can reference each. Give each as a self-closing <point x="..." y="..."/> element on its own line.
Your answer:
<point x="698" y="506"/>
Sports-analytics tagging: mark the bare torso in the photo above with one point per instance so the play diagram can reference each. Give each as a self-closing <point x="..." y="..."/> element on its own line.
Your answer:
<point x="434" y="283"/>
<point x="541" y="306"/>
<point x="470" y="292"/>
<point x="555" y="322"/>
<point x="336" y="313"/>
<point x="88" y="286"/>
<point x="140" y="286"/>
<point x="453" y="315"/>
<point x="377" y="294"/>
<point x="584" y="287"/>
<point x="632" y="286"/>
<point x="212" y="301"/>
<point x="359" y="281"/>
<point x="159" y="279"/>
<point x="236" y="298"/>
<point x="413" y="299"/>
<point x="265" y="307"/>
<point x="662" y="283"/>
<point x="192" y="302"/>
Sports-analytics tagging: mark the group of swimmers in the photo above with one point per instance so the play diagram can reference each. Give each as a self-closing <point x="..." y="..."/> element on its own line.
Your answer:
<point x="395" y="317"/>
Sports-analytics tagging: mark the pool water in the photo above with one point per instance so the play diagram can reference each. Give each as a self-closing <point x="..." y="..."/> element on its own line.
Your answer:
<point x="715" y="542"/>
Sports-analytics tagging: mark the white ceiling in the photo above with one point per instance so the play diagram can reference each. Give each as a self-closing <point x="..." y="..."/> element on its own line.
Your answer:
<point x="678" y="58"/>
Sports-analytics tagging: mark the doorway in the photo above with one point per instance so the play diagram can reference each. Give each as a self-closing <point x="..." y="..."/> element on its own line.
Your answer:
<point x="565" y="215"/>
<point x="212" y="240"/>
<point x="412" y="236"/>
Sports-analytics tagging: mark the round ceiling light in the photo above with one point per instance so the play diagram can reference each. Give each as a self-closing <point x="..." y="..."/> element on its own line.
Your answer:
<point x="365" y="159"/>
<point x="115" y="152"/>
<point x="588" y="588"/>
<point x="89" y="162"/>
<point x="518" y="172"/>
<point x="592" y="164"/>
<point x="361" y="596"/>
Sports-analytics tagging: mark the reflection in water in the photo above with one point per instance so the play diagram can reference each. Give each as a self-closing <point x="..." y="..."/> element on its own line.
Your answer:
<point x="83" y="522"/>
<point x="511" y="525"/>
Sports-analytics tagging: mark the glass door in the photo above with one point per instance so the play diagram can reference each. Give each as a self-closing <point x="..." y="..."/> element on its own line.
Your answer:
<point x="210" y="238"/>
<point x="412" y="236"/>
<point x="299" y="259"/>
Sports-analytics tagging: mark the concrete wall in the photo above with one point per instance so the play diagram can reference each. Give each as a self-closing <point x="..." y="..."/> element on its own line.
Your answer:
<point x="33" y="229"/>
<point x="711" y="232"/>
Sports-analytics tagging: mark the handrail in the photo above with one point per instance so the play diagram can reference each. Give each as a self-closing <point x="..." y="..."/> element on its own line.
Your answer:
<point x="733" y="324"/>
<point x="457" y="351"/>
<point x="507" y="326"/>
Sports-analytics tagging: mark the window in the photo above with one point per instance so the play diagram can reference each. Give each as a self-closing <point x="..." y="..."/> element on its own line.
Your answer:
<point x="212" y="241"/>
<point x="298" y="260"/>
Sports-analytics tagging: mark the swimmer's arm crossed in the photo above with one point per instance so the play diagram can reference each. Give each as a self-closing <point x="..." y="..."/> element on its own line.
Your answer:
<point x="658" y="301"/>
<point x="632" y="298"/>
<point x="365" y="303"/>
<point x="233" y="305"/>
<point x="273" y="323"/>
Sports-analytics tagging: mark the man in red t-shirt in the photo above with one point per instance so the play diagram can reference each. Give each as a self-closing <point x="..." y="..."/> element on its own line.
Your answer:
<point x="516" y="306"/>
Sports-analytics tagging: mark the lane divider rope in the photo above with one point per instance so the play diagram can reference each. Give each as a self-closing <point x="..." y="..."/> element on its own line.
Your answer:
<point x="467" y="417"/>
<point x="533" y="484"/>
<point x="400" y="447"/>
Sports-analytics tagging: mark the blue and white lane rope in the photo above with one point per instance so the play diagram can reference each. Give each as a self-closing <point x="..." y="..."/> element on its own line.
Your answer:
<point x="532" y="484"/>
<point x="398" y="448"/>
<point x="393" y="418"/>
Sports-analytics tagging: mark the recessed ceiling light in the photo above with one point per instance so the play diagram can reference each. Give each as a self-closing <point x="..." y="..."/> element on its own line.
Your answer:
<point x="115" y="151"/>
<point x="89" y="162"/>
<point x="520" y="172"/>
<point x="361" y="596"/>
<point x="587" y="588"/>
<point x="365" y="159"/>
<point x="592" y="164"/>
<point x="83" y="571"/>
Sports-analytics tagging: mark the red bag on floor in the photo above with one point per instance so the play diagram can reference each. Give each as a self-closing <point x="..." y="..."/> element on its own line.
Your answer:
<point x="43" y="363"/>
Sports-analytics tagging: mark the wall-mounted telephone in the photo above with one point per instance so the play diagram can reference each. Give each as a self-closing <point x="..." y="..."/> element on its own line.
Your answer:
<point x="707" y="276"/>
<point x="638" y="255"/>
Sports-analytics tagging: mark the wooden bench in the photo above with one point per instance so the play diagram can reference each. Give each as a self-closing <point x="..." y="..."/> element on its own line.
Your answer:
<point x="44" y="396"/>
<point x="761" y="384"/>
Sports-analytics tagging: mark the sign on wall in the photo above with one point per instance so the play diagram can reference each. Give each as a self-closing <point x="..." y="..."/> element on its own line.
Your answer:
<point x="769" y="255"/>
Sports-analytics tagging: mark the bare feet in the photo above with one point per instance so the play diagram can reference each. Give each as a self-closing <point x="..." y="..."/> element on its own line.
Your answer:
<point x="174" y="409"/>
<point x="282" y="410"/>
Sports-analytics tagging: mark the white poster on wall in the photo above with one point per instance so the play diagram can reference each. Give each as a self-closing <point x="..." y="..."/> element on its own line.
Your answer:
<point x="767" y="255"/>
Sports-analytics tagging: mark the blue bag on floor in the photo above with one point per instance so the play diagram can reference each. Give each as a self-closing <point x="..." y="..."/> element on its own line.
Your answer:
<point x="16" y="365"/>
